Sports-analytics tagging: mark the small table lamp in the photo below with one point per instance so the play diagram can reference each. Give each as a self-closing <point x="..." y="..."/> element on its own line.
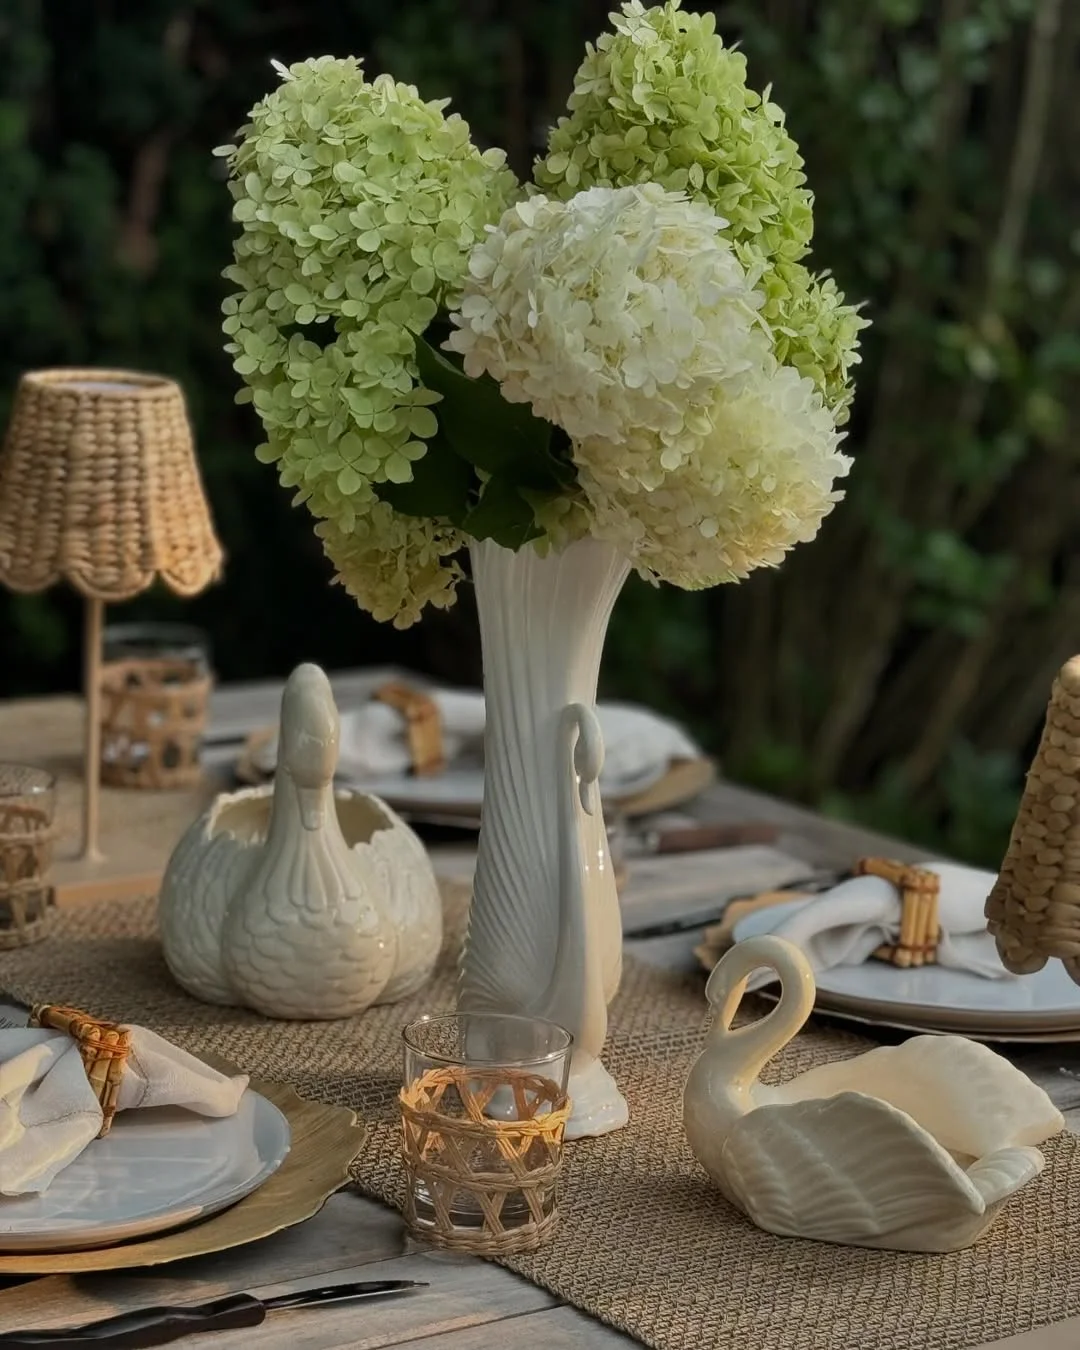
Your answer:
<point x="99" y="486"/>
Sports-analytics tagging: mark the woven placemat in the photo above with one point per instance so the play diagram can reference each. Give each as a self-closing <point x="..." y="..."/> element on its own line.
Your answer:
<point x="644" y="1242"/>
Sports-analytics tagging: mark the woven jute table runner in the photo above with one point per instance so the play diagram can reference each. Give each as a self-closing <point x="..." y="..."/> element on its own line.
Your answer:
<point x="643" y="1243"/>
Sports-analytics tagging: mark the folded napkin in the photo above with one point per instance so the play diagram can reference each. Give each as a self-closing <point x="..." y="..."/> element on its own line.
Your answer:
<point x="639" y="745"/>
<point x="48" y="1110"/>
<point x="844" y="925"/>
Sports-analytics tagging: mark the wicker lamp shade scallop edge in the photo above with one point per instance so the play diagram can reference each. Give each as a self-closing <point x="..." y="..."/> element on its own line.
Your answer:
<point x="99" y="485"/>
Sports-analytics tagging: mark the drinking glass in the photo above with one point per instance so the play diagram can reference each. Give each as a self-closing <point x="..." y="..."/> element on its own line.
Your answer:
<point x="178" y="642"/>
<point x="27" y="803"/>
<point x="156" y="682"/>
<point x="483" y="1109"/>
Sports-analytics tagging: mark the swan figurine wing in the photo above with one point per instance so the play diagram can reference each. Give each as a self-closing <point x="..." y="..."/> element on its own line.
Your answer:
<point x="971" y="1100"/>
<point x="207" y="868"/>
<point x="511" y="947"/>
<point x="853" y="1169"/>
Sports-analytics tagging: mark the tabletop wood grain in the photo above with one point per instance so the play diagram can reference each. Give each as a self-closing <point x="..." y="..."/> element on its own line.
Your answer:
<point x="469" y="1304"/>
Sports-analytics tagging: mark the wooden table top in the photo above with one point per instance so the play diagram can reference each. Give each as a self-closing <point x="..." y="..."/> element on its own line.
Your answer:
<point x="470" y="1305"/>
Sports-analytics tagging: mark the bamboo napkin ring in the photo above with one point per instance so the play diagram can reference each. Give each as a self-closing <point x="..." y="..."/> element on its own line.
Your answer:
<point x="103" y="1046"/>
<point x="421" y="714"/>
<point x="457" y="1152"/>
<point x="920" y="928"/>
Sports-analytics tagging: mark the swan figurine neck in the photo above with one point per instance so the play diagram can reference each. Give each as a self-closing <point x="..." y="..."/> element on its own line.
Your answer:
<point x="913" y="1147"/>
<point x="309" y="739"/>
<point x="734" y="1057"/>
<point x="311" y="904"/>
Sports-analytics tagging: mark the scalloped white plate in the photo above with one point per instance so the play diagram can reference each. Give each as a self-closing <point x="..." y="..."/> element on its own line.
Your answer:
<point x="934" y="997"/>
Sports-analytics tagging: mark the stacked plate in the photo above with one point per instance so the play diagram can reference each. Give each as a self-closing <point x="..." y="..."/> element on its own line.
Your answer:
<point x="1039" y="1008"/>
<point x="458" y="791"/>
<point x="155" y="1170"/>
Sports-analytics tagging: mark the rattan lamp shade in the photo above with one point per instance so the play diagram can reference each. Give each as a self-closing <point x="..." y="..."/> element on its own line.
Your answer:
<point x="99" y="486"/>
<point x="1033" y="910"/>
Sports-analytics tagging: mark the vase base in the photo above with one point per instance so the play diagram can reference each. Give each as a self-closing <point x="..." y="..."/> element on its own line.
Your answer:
<point x="597" y="1105"/>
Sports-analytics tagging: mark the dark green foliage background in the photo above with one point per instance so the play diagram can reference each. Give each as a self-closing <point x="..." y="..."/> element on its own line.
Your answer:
<point x="895" y="670"/>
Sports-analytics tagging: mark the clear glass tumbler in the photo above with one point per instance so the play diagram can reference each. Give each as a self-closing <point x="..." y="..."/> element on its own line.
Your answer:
<point x="27" y="804"/>
<point x="483" y="1108"/>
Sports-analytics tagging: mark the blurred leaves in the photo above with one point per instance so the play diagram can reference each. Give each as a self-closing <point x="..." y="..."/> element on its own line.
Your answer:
<point x="896" y="670"/>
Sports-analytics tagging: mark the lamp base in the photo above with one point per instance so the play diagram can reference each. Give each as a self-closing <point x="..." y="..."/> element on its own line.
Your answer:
<point x="95" y="612"/>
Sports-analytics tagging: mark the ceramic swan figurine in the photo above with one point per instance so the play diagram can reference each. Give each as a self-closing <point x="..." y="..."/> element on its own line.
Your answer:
<point x="913" y="1147"/>
<point x="293" y="899"/>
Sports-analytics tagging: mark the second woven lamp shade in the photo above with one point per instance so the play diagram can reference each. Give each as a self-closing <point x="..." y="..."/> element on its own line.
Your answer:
<point x="1033" y="910"/>
<point x="99" y="486"/>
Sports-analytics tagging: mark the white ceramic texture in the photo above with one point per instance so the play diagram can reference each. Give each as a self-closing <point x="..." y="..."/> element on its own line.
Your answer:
<point x="913" y="1147"/>
<point x="954" y="999"/>
<point x="295" y="900"/>
<point x="154" y="1170"/>
<point x="545" y="935"/>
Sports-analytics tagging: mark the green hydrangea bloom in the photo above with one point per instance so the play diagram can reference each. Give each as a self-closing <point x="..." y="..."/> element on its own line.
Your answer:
<point x="662" y="100"/>
<point x="359" y="205"/>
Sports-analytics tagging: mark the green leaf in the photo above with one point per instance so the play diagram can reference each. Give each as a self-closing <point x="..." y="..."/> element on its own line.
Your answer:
<point x="502" y="514"/>
<point x="440" y="485"/>
<point x="493" y="435"/>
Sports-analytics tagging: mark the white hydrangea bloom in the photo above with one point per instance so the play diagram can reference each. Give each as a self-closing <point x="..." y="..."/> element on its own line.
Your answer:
<point x="616" y="315"/>
<point x="761" y="481"/>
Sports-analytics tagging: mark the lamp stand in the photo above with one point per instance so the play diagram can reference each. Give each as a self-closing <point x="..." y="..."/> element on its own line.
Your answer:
<point x="92" y="766"/>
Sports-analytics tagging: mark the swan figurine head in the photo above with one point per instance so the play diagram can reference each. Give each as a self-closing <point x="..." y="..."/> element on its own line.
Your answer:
<point x="309" y="737"/>
<point x="741" y="1053"/>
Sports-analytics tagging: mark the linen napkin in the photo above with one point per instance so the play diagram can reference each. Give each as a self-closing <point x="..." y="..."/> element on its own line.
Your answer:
<point x="48" y="1110"/>
<point x="639" y="745"/>
<point x="844" y="925"/>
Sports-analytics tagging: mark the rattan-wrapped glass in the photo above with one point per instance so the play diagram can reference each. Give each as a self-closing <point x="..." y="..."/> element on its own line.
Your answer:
<point x="27" y="802"/>
<point x="483" y="1111"/>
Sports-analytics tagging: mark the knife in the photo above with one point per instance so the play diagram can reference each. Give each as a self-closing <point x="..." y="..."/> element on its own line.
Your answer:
<point x="699" y="838"/>
<point x="812" y="884"/>
<point x="158" y="1326"/>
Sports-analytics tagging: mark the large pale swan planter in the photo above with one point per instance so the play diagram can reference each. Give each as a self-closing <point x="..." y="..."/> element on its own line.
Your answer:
<point x="913" y="1147"/>
<point x="296" y="900"/>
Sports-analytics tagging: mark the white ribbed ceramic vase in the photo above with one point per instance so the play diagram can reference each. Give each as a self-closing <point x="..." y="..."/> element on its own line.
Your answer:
<point x="545" y="936"/>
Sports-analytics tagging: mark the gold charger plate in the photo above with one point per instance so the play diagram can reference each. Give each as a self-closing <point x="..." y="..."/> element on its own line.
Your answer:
<point x="684" y="779"/>
<point x="325" y="1140"/>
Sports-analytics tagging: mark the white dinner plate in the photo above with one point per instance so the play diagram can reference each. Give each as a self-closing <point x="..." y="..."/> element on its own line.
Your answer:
<point x="934" y="996"/>
<point x="870" y="1019"/>
<point x="155" y="1169"/>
